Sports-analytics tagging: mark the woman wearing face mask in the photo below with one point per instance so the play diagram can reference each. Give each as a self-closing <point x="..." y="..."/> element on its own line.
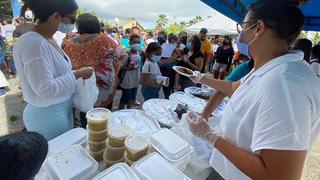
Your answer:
<point x="150" y="87"/>
<point x="224" y="56"/>
<point x="98" y="51"/>
<point x="193" y="59"/>
<point x="48" y="82"/>
<point x="271" y="120"/>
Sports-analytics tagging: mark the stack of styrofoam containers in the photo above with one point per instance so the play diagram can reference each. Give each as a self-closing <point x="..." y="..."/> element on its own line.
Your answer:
<point x="64" y="141"/>
<point x="118" y="171"/>
<point x="97" y="131"/>
<point x="115" y="144"/>
<point x="73" y="163"/>
<point x="172" y="147"/>
<point x="137" y="146"/>
<point x="155" y="167"/>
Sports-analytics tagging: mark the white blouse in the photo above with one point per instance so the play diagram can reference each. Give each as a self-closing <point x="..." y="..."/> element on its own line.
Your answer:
<point x="45" y="75"/>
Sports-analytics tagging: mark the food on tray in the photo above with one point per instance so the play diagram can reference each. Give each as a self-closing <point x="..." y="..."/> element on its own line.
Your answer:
<point x="183" y="70"/>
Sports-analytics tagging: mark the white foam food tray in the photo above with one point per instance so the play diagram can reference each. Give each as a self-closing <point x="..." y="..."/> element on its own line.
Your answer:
<point x="118" y="171"/>
<point x="170" y="145"/>
<point x="64" y="141"/>
<point x="73" y="163"/>
<point x="155" y="167"/>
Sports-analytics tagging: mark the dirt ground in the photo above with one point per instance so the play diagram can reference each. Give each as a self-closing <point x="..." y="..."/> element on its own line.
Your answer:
<point x="12" y="105"/>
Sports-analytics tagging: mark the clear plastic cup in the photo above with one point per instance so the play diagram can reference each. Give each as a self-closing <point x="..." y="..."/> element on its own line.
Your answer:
<point x="97" y="136"/>
<point x="137" y="146"/>
<point x="98" y="119"/>
<point x="97" y="146"/>
<point x="118" y="134"/>
<point x="108" y="163"/>
<point x="114" y="153"/>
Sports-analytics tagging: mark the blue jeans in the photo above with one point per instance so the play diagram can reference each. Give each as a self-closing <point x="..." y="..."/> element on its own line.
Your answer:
<point x="2" y="91"/>
<point x="150" y="93"/>
<point x="12" y="66"/>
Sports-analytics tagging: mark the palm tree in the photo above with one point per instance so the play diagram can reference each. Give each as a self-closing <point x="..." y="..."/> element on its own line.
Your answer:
<point x="162" y="21"/>
<point x="183" y="24"/>
<point x="198" y="19"/>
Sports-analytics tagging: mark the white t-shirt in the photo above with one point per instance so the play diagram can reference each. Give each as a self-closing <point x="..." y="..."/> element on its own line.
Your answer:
<point x="151" y="67"/>
<point x="59" y="37"/>
<point x="45" y="75"/>
<point x="276" y="107"/>
<point x="7" y="31"/>
<point x="132" y="77"/>
<point x="315" y="66"/>
<point x="167" y="50"/>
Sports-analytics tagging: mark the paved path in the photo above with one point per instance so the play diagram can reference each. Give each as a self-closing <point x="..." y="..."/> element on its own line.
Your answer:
<point x="11" y="107"/>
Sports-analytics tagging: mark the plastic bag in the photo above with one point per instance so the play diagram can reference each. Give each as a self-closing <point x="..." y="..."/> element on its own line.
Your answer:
<point x="3" y="80"/>
<point x="202" y="150"/>
<point x="86" y="94"/>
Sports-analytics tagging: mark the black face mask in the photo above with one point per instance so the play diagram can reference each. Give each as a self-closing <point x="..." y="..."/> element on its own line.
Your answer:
<point x="162" y="40"/>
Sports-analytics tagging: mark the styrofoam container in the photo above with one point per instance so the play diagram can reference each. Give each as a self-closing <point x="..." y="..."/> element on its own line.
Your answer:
<point x="155" y="167"/>
<point x="73" y="163"/>
<point x="98" y="118"/>
<point x="170" y="145"/>
<point x="64" y="141"/>
<point x="119" y="171"/>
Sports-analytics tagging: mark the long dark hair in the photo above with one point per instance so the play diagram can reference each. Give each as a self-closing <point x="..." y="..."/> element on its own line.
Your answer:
<point x="196" y="43"/>
<point x="283" y="17"/>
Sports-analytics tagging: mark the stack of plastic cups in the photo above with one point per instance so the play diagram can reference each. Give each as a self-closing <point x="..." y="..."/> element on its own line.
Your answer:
<point x="97" y="131"/>
<point x="115" y="144"/>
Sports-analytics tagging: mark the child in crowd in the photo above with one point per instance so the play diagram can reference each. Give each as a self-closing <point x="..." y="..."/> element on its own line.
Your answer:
<point x="151" y="77"/>
<point x="129" y="82"/>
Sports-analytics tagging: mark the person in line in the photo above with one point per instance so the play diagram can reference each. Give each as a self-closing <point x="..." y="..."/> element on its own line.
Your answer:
<point x="25" y="151"/>
<point x="26" y="24"/>
<point x="97" y="51"/>
<point x="315" y="62"/>
<point x="150" y="71"/>
<point x="162" y="37"/>
<point x="206" y="47"/>
<point x="131" y="74"/>
<point x="193" y="59"/>
<point x="150" y="38"/>
<point x="169" y="56"/>
<point x="305" y="45"/>
<point x="3" y="81"/>
<point x="125" y="39"/>
<point x="48" y="83"/>
<point x="271" y="120"/>
<point x="224" y="56"/>
<point x="7" y="32"/>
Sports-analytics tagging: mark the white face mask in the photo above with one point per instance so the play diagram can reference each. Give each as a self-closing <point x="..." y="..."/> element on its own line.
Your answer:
<point x="65" y="28"/>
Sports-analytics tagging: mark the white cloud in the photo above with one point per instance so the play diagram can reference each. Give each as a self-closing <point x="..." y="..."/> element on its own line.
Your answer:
<point x="147" y="11"/>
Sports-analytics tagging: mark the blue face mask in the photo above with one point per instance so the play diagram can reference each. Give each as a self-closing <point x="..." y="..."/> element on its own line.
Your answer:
<point x="162" y="40"/>
<point x="189" y="45"/>
<point x="136" y="47"/>
<point x="65" y="28"/>
<point x="242" y="46"/>
<point x="114" y="35"/>
<point x="155" y="58"/>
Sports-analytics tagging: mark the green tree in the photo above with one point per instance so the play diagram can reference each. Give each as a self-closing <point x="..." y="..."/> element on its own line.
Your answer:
<point x="302" y="35"/>
<point x="175" y="29"/>
<point x="5" y="7"/>
<point x="161" y="22"/>
<point x="198" y="19"/>
<point x="316" y="38"/>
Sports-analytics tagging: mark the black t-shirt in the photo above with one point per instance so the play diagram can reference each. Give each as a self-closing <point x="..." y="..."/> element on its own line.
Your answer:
<point x="224" y="56"/>
<point x="192" y="59"/>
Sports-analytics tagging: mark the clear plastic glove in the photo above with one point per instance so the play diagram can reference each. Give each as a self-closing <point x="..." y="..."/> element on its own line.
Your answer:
<point x="200" y="127"/>
<point x="185" y="58"/>
<point x="197" y="76"/>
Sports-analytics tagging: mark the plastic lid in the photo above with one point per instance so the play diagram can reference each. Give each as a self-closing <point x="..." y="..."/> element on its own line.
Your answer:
<point x="119" y="171"/>
<point x="170" y="145"/>
<point x="97" y="115"/>
<point x="119" y="131"/>
<point x="136" y="142"/>
<point x="155" y="167"/>
<point x="64" y="141"/>
<point x="73" y="163"/>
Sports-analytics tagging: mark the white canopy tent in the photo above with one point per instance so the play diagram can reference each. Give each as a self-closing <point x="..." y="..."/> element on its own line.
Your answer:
<point x="218" y="24"/>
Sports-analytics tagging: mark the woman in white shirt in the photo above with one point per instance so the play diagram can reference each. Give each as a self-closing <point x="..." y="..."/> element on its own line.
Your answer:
<point x="272" y="119"/>
<point x="315" y="62"/>
<point x="44" y="69"/>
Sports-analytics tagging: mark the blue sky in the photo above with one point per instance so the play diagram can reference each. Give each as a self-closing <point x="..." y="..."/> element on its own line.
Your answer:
<point x="147" y="11"/>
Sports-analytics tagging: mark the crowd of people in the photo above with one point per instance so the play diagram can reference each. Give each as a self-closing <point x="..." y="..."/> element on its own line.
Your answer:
<point x="271" y="118"/>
